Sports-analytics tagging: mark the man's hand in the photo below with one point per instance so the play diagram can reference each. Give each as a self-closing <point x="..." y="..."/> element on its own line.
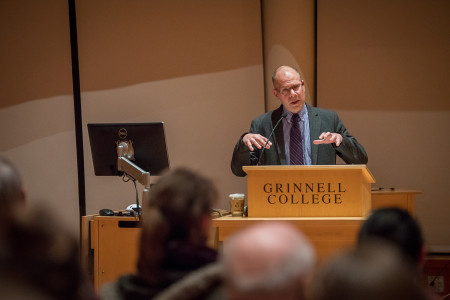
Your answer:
<point x="257" y="140"/>
<point x="329" y="138"/>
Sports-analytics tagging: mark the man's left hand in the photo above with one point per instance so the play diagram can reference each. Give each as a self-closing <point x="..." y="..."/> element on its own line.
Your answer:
<point x="329" y="138"/>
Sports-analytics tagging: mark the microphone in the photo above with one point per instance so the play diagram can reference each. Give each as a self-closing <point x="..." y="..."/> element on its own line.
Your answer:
<point x="273" y="130"/>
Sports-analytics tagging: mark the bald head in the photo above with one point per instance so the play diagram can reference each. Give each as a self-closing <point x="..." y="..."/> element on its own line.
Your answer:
<point x="284" y="71"/>
<point x="267" y="261"/>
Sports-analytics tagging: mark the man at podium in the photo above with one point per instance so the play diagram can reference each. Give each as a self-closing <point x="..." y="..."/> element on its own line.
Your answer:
<point x="295" y="133"/>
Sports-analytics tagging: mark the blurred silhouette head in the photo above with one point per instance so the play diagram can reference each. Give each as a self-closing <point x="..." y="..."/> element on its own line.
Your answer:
<point x="38" y="257"/>
<point x="373" y="271"/>
<point x="398" y="227"/>
<point x="178" y="211"/>
<point x="267" y="261"/>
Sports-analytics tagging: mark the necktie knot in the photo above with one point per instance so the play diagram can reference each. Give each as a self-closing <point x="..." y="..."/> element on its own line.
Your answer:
<point x="295" y="119"/>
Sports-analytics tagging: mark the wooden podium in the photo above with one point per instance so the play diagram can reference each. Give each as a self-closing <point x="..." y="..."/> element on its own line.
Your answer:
<point x="308" y="191"/>
<point x="327" y="203"/>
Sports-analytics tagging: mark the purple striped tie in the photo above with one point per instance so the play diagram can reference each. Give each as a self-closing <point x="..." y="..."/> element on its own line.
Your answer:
<point x="296" y="144"/>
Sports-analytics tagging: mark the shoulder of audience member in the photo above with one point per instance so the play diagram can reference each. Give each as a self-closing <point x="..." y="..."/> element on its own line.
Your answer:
<point x="204" y="283"/>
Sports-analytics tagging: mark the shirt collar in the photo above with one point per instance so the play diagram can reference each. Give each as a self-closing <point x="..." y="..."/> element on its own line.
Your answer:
<point x="301" y="113"/>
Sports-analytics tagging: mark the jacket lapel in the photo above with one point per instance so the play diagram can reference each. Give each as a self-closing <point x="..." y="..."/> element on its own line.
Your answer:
<point x="314" y="128"/>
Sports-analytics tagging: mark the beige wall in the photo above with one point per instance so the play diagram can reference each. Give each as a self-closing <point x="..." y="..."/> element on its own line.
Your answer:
<point x="198" y="66"/>
<point x="289" y="40"/>
<point x="187" y="63"/>
<point x="384" y="66"/>
<point x="122" y="43"/>
<point x="36" y="103"/>
<point x="35" y="51"/>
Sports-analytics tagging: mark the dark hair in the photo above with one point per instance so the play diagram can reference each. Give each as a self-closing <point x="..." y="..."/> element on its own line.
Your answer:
<point x="395" y="226"/>
<point x="177" y="204"/>
<point x="373" y="271"/>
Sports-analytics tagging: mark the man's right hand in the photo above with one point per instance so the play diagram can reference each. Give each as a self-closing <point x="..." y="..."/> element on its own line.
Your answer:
<point x="257" y="140"/>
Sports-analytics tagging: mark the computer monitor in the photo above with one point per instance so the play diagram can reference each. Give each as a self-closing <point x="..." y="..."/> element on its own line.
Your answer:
<point x="147" y="139"/>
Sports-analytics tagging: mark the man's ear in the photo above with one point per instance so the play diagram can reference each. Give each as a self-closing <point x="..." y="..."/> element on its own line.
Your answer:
<point x="275" y="92"/>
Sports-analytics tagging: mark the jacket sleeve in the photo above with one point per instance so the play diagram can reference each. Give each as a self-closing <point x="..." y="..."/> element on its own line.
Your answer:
<point x="350" y="150"/>
<point x="242" y="156"/>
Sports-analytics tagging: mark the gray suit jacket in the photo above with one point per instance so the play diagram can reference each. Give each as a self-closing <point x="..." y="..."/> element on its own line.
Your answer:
<point x="320" y="120"/>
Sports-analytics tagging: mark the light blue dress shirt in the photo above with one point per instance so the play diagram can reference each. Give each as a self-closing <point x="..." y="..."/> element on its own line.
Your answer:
<point x="304" y="128"/>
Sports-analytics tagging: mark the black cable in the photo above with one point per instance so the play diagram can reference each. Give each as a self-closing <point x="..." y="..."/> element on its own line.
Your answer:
<point x="137" y="200"/>
<point x="127" y="178"/>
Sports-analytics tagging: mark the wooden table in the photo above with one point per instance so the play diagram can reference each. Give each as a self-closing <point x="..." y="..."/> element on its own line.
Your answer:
<point x="328" y="235"/>
<point x="109" y="245"/>
<point x="395" y="198"/>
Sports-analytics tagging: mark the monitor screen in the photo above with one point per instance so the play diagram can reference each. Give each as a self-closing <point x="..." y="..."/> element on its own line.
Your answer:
<point x="147" y="139"/>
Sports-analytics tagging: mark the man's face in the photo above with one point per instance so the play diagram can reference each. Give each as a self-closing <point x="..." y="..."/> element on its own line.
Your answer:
<point x="290" y="90"/>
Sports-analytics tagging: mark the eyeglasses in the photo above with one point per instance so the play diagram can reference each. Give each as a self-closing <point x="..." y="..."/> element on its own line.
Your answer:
<point x="295" y="88"/>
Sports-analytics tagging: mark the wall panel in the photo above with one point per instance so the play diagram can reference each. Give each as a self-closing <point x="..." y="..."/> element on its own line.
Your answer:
<point x="196" y="65"/>
<point x="384" y="67"/>
<point x="36" y="107"/>
<point x="289" y="39"/>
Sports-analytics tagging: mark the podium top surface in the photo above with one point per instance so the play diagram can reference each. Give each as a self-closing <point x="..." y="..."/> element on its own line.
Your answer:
<point x="367" y="174"/>
<point x="394" y="191"/>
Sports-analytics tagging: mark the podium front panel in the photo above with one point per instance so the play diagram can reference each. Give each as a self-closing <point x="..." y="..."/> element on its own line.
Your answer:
<point x="308" y="191"/>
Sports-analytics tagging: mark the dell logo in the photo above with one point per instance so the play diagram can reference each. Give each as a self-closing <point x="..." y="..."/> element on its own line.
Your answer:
<point x="123" y="133"/>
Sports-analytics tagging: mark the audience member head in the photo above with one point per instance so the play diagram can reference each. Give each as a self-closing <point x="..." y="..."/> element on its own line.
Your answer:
<point x="267" y="261"/>
<point x="178" y="211"/>
<point x="397" y="227"/>
<point x="12" y="194"/>
<point x="38" y="258"/>
<point x="373" y="271"/>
